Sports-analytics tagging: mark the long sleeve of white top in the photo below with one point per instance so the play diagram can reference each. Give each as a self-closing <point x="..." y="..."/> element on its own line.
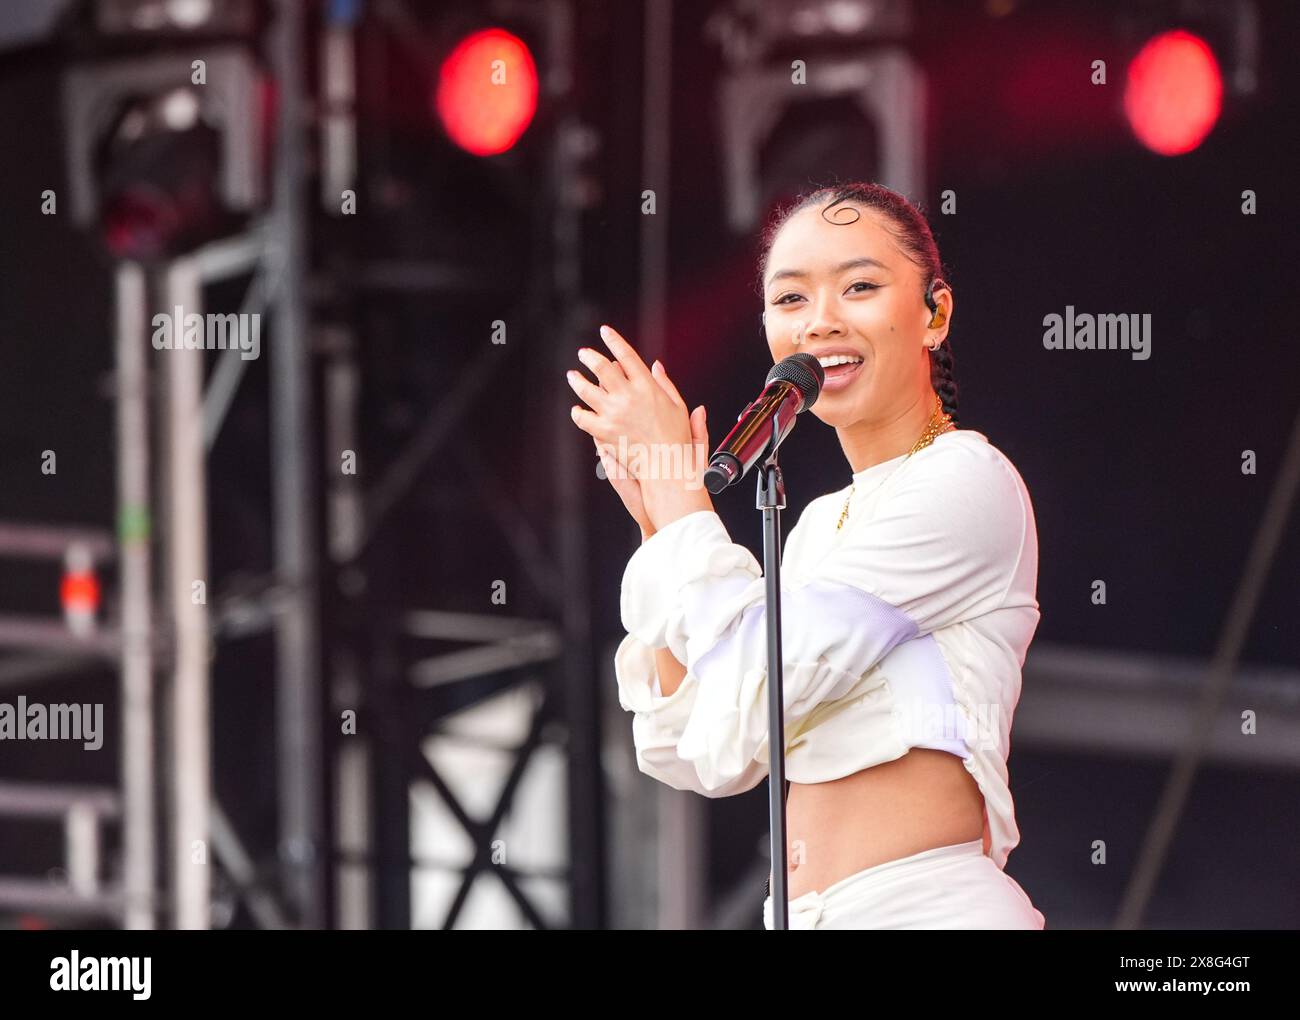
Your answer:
<point x="941" y="548"/>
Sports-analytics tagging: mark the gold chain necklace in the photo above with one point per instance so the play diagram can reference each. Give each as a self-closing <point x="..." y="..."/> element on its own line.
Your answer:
<point x="939" y="423"/>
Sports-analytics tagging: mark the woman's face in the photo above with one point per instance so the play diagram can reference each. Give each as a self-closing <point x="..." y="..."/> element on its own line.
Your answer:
<point x="854" y="293"/>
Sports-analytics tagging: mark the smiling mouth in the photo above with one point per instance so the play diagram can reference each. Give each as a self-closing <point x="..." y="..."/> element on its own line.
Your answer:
<point x="839" y="376"/>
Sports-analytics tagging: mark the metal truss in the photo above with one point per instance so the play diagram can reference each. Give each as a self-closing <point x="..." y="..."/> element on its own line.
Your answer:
<point x="408" y="698"/>
<point x="274" y="251"/>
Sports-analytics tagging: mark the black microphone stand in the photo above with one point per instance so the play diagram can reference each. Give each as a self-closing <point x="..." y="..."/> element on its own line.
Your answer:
<point x="771" y="500"/>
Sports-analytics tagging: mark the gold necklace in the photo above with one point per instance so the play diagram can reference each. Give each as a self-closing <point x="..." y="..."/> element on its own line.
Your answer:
<point x="939" y="423"/>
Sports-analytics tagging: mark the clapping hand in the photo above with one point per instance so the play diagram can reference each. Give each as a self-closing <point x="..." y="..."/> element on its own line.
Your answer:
<point x="639" y="423"/>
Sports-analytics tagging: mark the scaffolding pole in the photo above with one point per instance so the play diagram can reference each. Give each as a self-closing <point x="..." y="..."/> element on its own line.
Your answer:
<point x="298" y="692"/>
<point x="187" y="557"/>
<point x="133" y="530"/>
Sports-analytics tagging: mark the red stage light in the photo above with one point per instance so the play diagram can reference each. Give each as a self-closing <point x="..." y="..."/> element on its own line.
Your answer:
<point x="1174" y="92"/>
<point x="487" y="92"/>
<point x="79" y="591"/>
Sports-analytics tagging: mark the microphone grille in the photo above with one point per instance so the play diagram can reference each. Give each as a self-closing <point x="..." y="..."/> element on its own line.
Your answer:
<point x="804" y="372"/>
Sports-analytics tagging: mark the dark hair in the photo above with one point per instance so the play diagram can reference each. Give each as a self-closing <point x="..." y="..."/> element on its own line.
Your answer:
<point x="911" y="233"/>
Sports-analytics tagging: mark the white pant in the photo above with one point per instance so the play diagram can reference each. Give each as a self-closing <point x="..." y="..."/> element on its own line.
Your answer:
<point x="953" y="886"/>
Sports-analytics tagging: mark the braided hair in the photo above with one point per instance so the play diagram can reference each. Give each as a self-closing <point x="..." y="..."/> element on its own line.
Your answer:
<point x="911" y="232"/>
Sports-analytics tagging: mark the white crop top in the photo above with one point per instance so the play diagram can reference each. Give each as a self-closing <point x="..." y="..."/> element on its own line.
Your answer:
<point x="908" y="628"/>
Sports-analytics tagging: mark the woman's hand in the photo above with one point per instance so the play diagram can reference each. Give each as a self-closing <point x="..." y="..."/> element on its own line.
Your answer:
<point x="639" y="413"/>
<point x="627" y="487"/>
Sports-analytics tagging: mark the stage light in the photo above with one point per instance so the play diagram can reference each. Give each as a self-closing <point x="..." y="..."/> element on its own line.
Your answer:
<point x="159" y="165"/>
<point x="79" y="590"/>
<point x="146" y="18"/>
<point x="159" y="174"/>
<point x="487" y="92"/>
<point x="1173" y="93"/>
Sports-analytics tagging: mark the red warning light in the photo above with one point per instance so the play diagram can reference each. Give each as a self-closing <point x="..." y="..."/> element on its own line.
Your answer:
<point x="1174" y="92"/>
<point x="487" y="92"/>
<point x="79" y="590"/>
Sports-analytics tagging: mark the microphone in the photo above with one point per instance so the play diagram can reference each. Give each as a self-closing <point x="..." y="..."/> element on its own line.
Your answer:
<point x="791" y="388"/>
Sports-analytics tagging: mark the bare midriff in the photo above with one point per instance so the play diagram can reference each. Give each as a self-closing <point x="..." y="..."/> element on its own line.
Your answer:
<point x="923" y="800"/>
